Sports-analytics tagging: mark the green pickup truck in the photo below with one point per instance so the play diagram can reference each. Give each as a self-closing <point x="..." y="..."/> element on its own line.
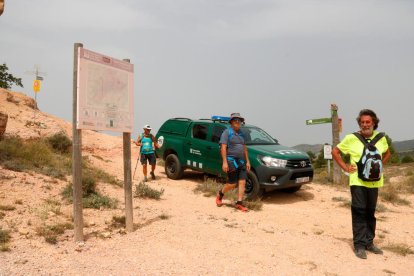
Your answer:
<point x="194" y="144"/>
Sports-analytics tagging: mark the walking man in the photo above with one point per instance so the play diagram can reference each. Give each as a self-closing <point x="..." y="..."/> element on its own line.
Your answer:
<point x="235" y="160"/>
<point x="147" y="155"/>
<point x="368" y="151"/>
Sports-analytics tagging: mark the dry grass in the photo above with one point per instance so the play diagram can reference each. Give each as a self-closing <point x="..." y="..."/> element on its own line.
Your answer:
<point x="4" y="239"/>
<point x="390" y="194"/>
<point x="399" y="248"/>
<point x="51" y="232"/>
<point x="7" y="208"/>
<point x="210" y="188"/>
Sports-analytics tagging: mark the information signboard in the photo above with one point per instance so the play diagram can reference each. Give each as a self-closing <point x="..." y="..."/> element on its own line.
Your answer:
<point x="105" y="93"/>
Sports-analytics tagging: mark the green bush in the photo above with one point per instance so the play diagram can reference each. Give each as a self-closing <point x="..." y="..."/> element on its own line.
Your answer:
<point x="60" y="142"/>
<point x="96" y="201"/>
<point x="144" y="191"/>
<point x="407" y="159"/>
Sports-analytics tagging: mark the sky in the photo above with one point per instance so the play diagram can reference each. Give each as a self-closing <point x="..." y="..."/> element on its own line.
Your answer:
<point x="278" y="63"/>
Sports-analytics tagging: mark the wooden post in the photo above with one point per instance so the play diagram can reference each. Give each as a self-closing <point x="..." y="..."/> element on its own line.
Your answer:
<point x="77" y="155"/>
<point x="129" y="221"/>
<point x="335" y="142"/>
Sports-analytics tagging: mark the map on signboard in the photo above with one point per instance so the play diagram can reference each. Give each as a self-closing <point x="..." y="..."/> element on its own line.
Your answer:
<point x="105" y="93"/>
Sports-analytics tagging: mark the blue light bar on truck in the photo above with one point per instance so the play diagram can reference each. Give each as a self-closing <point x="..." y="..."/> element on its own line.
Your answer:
<point x="220" y="118"/>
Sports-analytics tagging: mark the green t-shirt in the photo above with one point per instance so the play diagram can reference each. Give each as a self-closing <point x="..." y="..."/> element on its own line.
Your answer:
<point x="353" y="146"/>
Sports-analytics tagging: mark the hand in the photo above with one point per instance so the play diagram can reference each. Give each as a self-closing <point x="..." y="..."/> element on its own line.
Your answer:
<point x="248" y="166"/>
<point x="225" y="167"/>
<point x="351" y="168"/>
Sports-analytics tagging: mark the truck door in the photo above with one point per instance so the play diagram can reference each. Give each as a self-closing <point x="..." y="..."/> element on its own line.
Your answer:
<point x="214" y="157"/>
<point x="196" y="147"/>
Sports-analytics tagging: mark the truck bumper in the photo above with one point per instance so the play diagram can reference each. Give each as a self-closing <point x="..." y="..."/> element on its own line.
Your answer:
<point x="285" y="177"/>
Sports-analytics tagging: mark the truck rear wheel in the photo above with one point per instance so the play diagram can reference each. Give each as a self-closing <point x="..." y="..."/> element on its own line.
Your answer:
<point x="173" y="167"/>
<point x="253" y="189"/>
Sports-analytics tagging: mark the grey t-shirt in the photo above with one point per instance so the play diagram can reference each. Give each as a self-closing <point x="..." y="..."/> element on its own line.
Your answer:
<point x="235" y="148"/>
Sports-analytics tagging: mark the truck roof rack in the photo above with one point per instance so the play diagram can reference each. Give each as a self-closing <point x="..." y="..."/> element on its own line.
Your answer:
<point x="182" y="118"/>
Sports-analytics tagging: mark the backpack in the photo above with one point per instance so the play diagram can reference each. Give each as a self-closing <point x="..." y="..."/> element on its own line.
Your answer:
<point x="370" y="164"/>
<point x="231" y="132"/>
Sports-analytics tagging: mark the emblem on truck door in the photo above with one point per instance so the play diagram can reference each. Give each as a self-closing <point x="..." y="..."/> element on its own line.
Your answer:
<point x="160" y="141"/>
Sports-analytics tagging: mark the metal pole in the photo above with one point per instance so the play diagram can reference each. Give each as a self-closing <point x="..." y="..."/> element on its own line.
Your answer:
<point x="77" y="155"/>
<point x="129" y="223"/>
<point x="329" y="168"/>
<point x="34" y="109"/>
<point x="335" y="142"/>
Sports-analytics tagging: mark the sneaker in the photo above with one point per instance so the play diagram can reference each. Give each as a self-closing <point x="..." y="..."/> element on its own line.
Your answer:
<point x="372" y="248"/>
<point x="241" y="207"/>
<point x="219" y="201"/>
<point x="360" y="253"/>
<point x="152" y="175"/>
<point x="145" y="179"/>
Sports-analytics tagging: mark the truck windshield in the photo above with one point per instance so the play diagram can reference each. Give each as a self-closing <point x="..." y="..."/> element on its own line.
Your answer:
<point x="257" y="136"/>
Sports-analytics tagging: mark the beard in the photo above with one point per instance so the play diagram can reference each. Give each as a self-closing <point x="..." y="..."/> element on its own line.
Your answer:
<point x="367" y="131"/>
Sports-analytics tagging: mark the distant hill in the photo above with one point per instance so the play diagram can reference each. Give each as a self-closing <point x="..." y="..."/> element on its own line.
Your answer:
<point x="306" y="147"/>
<point x="404" y="146"/>
<point x="400" y="146"/>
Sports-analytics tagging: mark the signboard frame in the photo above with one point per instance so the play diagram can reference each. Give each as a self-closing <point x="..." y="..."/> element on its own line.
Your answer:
<point x="105" y="96"/>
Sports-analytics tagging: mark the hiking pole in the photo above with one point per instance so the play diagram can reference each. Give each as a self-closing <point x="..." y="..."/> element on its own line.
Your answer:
<point x="136" y="165"/>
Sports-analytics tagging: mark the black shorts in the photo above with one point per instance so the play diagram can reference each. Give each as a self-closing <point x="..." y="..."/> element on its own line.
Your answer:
<point x="148" y="157"/>
<point x="235" y="174"/>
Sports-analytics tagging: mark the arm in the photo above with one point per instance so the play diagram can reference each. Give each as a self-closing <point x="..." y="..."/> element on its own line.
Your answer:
<point x="223" y="151"/>
<point x="246" y="157"/>
<point x="386" y="156"/>
<point x="138" y="142"/>
<point x="336" y="154"/>
<point x="155" y="142"/>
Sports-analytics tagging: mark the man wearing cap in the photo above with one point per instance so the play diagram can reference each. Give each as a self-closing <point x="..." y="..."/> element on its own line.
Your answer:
<point x="146" y="141"/>
<point x="235" y="160"/>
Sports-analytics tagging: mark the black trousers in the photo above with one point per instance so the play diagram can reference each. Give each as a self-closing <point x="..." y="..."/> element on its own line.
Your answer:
<point x="364" y="202"/>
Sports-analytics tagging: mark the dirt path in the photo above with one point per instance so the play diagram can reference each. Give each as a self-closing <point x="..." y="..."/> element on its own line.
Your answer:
<point x="302" y="233"/>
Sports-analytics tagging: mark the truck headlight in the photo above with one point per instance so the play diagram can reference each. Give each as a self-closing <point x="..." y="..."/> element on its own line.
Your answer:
<point x="273" y="162"/>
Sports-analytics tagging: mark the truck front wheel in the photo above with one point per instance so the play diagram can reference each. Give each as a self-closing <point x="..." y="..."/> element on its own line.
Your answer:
<point x="173" y="167"/>
<point x="253" y="189"/>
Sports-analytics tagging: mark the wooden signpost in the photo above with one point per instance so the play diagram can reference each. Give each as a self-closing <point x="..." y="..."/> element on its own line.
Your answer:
<point x="335" y="136"/>
<point x="98" y="117"/>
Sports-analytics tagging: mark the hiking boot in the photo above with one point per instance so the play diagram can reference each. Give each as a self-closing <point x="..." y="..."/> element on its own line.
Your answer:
<point x="372" y="248"/>
<point x="145" y="179"/>
<point x="360" y="253"/>
<point x="219" y="201"/>
<point x="152" y="175"/>
<point x="241" y="207"/>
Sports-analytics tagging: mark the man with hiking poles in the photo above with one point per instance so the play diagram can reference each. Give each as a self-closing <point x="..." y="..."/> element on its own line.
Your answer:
<point x="235" y="160"/>
<point x="147" y="154"/>
<point x="368" y="151"/>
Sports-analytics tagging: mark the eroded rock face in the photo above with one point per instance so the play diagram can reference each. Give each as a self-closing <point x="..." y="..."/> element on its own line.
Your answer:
<point x="3" y="123"/>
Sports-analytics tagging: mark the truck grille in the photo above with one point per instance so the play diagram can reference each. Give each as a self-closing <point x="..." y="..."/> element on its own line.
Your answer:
<point x="296" y="164"/>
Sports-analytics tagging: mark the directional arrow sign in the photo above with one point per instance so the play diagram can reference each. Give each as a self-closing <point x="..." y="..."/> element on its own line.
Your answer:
<point x="319" y="121"/>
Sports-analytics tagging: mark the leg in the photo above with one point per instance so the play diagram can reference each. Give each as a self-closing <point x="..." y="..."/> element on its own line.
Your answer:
<point x="242" y="188"/>
<point x="370" y="214"/>
<point x="152" y="161"/>
<point x="144" y="169"/>
<point x="358" y="210"/>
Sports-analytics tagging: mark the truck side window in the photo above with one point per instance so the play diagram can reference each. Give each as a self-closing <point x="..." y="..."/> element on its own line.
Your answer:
<point x="217" y="131"/>
<point x="200" y="131"/>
